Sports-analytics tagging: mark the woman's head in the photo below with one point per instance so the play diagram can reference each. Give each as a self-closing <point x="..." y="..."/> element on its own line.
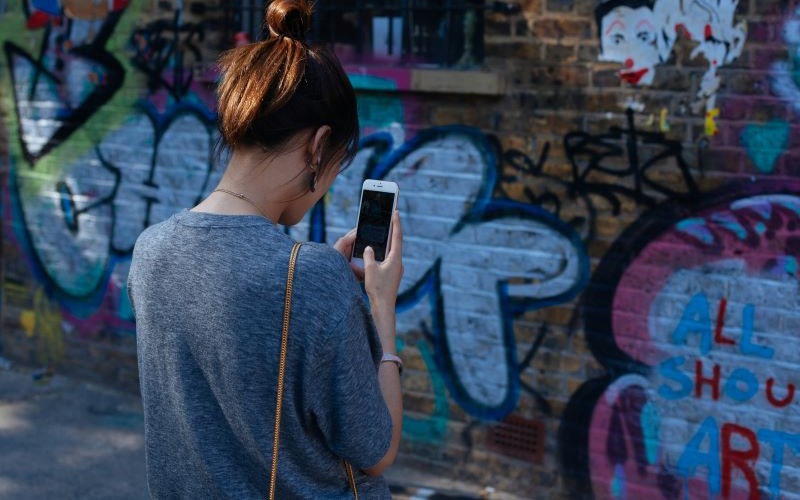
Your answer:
<point x="275" y="91"/>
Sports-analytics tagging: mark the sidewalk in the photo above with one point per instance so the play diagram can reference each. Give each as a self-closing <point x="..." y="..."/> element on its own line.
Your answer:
<point x="63" y="438"/>
<point x="66" y="438"/>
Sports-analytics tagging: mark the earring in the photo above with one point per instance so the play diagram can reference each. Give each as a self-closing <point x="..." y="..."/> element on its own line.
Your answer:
<point x="313" y="186"/>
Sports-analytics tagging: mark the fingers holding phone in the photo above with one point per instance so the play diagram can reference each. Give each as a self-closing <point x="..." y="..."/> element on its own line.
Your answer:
<point x="382" y="278"/>
<point x="373" y="228"/>
<point x="378" y="244"/>
<point x="344" y="246"/>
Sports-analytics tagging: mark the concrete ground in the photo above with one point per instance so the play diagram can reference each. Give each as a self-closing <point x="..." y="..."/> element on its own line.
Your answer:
<point x="66" y="438"/>
<point x="63" y="438"/>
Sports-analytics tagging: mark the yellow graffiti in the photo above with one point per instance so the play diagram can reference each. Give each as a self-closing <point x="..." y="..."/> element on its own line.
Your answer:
<point x="663" y="124"/>
<point x="44" y="320"/>
<point x="711" y="122"/>
<point x="28" y="321"/>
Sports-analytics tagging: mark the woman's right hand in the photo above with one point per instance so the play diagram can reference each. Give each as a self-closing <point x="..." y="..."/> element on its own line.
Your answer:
<point x="382" y="279"/>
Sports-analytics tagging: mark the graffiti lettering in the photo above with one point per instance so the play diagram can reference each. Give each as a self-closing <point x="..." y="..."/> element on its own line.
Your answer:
<point x="741" y="385"/>
<point x="163" y="44"/>
<point x="623" y="164"/>
<point x="56" y="92"/>
<point x="697" y="359"/>
<point x="696" y="319"/>
<point x="722" y="457"/>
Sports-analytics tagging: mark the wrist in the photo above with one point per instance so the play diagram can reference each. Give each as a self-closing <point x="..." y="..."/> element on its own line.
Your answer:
<point x="388" y="342"/>
<point x="384" y="318"/>
<point x="381" y="305"/>
<point x="389" y="358"/>
<point x="389" y="350"/>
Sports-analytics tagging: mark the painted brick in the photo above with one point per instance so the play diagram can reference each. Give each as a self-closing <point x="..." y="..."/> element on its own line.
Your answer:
<point x="609" y="300"/>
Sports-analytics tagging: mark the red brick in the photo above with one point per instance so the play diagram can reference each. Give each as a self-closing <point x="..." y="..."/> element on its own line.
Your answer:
<point x="562" y="28"/>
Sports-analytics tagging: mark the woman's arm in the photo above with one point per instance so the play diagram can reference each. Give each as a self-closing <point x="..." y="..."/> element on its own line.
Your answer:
<point x="382" y="282"/>
<point x="389" y="380"/>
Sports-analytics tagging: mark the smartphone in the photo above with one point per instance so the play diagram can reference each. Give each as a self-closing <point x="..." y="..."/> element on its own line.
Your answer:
<point x="374" y="225"/>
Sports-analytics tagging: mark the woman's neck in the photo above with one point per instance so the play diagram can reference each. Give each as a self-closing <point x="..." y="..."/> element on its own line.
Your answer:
<point x="254" y="183"/>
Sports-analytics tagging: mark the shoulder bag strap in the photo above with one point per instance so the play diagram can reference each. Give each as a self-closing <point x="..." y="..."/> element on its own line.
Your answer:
<point x="287" y="310"/>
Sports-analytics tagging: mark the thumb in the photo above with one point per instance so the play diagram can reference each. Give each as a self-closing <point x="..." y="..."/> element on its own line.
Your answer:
<point x="369" y="256"/>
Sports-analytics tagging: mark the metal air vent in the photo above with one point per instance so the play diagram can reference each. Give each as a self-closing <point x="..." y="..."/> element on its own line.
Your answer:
<point x="518" y="438"/>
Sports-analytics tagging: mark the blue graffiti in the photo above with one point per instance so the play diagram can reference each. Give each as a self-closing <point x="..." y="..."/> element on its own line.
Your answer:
<point x="105" y="199"/>
<point x="766" y="143"/>
<point x="693" y="458"/>
<point x="453" y="223"/>
<point x="778" y="440"/>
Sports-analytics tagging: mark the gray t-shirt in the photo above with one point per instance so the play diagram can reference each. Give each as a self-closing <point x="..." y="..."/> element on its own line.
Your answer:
<point x="208" y="292"/>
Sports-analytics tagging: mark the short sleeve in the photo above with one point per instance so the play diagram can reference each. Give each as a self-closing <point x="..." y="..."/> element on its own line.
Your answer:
<point x="348" y="404"/>
<point x="130" y="291"/>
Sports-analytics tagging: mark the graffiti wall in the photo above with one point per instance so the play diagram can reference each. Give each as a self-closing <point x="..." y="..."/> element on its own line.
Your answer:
<point x="642" y="34"/>
<point x="601" y="288"/>
<point x="700" y="404"/>
<point x="99" y="150"/>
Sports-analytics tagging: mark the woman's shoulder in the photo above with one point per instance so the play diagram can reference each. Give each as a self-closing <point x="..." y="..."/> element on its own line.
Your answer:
<point x="322" y="268"/>
<point x="325" y="260"/>
<point x="153" y="236"/>
<point x="332" y="298"/>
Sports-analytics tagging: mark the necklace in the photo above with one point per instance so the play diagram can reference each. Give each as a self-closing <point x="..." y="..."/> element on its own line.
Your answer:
<point x="243" y="198"/>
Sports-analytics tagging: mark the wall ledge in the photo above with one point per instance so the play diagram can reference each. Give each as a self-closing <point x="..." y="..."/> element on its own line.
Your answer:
<point x="445" y="81"/>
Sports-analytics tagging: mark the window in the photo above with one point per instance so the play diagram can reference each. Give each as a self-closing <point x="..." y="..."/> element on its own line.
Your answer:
<point x="436" y="33"/>
<point x="416" y="32"/>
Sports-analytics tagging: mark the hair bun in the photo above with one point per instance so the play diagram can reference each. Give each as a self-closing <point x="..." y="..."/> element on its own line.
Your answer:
<point x="289" y="18"/>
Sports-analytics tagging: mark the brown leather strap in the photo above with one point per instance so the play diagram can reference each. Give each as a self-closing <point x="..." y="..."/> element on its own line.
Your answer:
<point x="287" y="311"/>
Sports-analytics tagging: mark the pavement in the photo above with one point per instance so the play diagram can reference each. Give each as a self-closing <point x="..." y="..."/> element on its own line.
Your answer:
<point x="66" y="438"/>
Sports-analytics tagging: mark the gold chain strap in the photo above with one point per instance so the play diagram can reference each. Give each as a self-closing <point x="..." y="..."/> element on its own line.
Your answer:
<point x="350" y="478"/>
<point x="287" y="310"/>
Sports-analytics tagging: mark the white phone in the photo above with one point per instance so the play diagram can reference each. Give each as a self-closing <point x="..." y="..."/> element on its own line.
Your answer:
<point x="374" y="225"/>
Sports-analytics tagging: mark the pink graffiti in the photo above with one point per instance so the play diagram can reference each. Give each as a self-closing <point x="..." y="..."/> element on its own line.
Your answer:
<point x="678" y="432"/>
<point x="732" y="233"/>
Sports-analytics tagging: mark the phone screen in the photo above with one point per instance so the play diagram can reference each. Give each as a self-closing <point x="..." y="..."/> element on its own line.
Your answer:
<point x="373" y="223"/>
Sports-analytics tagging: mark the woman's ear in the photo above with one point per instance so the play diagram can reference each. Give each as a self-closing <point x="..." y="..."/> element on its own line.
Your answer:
<point x="318" y="143"/>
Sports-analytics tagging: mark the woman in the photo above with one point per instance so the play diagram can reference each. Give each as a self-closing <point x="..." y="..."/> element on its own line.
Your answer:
<point x="208" y="288"/>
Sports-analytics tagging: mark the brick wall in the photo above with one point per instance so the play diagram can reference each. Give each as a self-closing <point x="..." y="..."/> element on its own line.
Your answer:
<point x="601" y="287"/>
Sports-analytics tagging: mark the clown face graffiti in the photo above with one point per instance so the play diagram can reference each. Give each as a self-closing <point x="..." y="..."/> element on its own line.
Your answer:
<point x="628" y="36"/>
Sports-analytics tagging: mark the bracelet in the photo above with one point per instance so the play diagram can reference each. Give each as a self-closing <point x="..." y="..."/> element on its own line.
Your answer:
<point x="391" y="358"/>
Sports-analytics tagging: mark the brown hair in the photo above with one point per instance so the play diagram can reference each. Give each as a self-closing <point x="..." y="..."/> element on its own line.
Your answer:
<point x="273" y="89"/>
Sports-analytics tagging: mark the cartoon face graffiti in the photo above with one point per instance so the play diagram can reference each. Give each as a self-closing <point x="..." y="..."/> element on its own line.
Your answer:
<point x="628" y="35"/>
<point x="642" y="33"/>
